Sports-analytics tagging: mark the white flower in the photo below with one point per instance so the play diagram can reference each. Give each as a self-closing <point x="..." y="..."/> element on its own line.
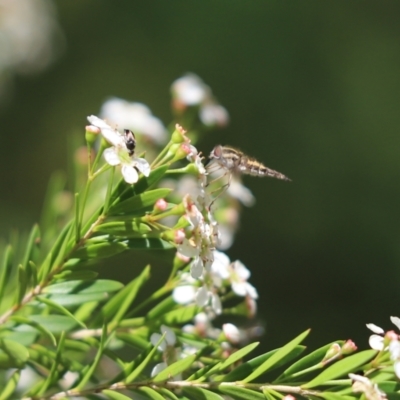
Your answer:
<point x="362" y="384"/>
<point x="213" y="114"/>
<point x="189" y="90"/>
<point x="239" y="276"/>
<point x="232" y="333"/>
<point x="118" y="154"/>
<point x="169" y="339"/>
<point x="134" y="116"/>
<point x="237" y="190"/>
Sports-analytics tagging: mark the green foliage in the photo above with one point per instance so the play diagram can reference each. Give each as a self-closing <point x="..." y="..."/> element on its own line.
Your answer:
<point x="79" y="335"/>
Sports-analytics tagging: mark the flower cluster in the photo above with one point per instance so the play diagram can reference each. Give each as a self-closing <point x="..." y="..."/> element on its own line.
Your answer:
<point x="387" y="341"/>
<point x="118" y="153"/>
<point x="191" y="91"/>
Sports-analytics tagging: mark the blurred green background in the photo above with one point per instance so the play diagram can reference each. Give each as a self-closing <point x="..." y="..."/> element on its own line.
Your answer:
<point x="313" y="90"/>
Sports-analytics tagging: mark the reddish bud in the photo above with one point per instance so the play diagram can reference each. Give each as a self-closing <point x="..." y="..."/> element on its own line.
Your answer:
<point x="161" y="205"/>
<point x="349" y="347"/>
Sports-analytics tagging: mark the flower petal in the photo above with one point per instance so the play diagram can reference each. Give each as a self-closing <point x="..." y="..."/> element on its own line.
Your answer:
<point x="169" y="335"/>
<point x="111" y="156"/>
<point x="129" y="173"/>
<point x="184" y="294"/>
<point x="376" y="342"/>
<point x="202" y="296"/>
<point x="196" y="268"/>
<point x="143" y="166"/>
<point x="376" y="329"/>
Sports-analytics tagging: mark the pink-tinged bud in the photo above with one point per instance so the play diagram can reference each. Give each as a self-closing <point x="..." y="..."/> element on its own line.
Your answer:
<point x="231" y="332"/>
<point x="251" y="306"/>
<point x="333" y="351"/>
<point x="161" y="205"/>
<point x="179" y="135"/>
<point x="183" y="258"/>
<point x="91" y="134"/>
<point x="288" y="397"/>
<point x="391" y="335"/>
<point x="179" y="236"/>
<point x="349" y="347"/>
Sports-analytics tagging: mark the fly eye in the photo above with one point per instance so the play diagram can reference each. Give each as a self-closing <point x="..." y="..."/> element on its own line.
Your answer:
<point x="217" y="152"/>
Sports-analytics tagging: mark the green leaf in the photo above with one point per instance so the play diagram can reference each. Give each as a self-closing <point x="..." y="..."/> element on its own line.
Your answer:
<point x="233" y="358"/>
<point x="275" y="358"/>
<point x="201" y="394"/>
<point x="153" y="394"/>
<point x="175" y="368"/>
<point x="241" y="393"/>
<point x="100" y="250"/>
<point x="5" y="269"/>
<point x="81" y="275"/>
<point x="84" y="287"/>
<point x="139" y="202"/>
<point x="58" y="307"/>
<point x="334" y="396"/>
<point x="116" y="307"/>
<point x="103" y="342"/>
<point x="22" y="283"/>
<point x="132" y="228"/>
<point x="54" y="374"/>
<point x="139" y="369"/>
<point x="35" y="325"/>
<point x="113" y="395"/>
<point x="342" y="368"/>
<point x="168" y="394"/>
<point x="12" y="354"/>
<point x="11" y="384"/>
<point x="250" y="366"/>
<point x="71" y="300"/>
<point x="149" y="244"/>
<point x="306" y="362"/>
<point x="161" y="308"/>
<point x="31" y="246"/>
<point x="133" y="340"/>
<point x="54" y="323"/>
<point x="155" y="176"/>
<point x="180" y="316"/>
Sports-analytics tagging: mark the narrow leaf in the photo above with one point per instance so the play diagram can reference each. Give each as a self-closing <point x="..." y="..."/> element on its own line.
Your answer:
<point x="81" y="275"/>
<point x="12" y="354"/>
<point x="153" y="394"/>
<point x="55" y="323"/>
<point x="77" y="220"/>
<point x="113" y="395"/>
<point x="139" y="369"/>
<point x="306" y="362"/>
<point x="250" y="366"/>
<point x="241" y="393"/>
<point x="60" y="309"/>
<point x="181" y="315"/>
<point x="175" y="368"/>
<point x="31" y="246"/>
<point x="132" y="228"/>
<point x="342" y="368"/>
<point x="201" y="394"/>
<point x="274" y="359"/>
<point x="22" y="283"/>
<point x="5" y="270"/>
<point x="101" y="250"/>
<point x="119" y="304"/>
<point x="334" y="396"/>
<point x="139" y="201"/>
<point x="149" y="244"/>
<point x="95" y="363"/>
<point x="72" y="300"/>
<point x="11" y="384"/>
<point x="84" y="287"/>
<point x="35" y="325"/>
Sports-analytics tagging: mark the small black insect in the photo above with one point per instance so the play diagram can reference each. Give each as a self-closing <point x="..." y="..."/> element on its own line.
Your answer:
<point x="130" y="141"/>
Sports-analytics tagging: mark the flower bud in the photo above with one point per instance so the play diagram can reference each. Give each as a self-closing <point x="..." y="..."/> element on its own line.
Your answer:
<point x="333" y="351"/>
<point x="349" y="347"/>
<point x="179" y="135"/>
<point x="91" y="134"/>
<point x="160" y="205"/>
